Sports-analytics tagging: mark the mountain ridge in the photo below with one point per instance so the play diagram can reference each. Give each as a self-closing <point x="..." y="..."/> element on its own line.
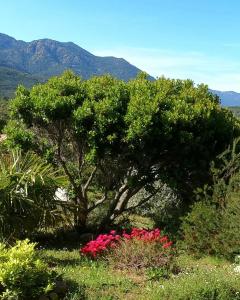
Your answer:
<point x="31" y="62"/>
<point x="46" y="57"/>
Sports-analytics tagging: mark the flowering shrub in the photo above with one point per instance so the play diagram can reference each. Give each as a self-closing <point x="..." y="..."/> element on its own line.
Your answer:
<point x="112" y="240"/>
<point x="101" y="244"/>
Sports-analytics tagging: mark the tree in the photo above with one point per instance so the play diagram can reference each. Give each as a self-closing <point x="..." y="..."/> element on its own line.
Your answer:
<point x="114" y="139"/>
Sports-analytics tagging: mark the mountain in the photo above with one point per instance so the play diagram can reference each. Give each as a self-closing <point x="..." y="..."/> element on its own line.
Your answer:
<point x="38" y="60"/>
<point x="228" y="98"/>
<point x="28" y="63"/>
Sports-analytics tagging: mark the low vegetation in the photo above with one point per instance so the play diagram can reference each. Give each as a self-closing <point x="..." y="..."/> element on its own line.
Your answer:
<point x="22" y="274"/>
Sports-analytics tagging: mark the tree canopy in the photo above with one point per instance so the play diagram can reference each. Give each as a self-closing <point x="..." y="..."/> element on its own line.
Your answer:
<point x="115" y="138"/>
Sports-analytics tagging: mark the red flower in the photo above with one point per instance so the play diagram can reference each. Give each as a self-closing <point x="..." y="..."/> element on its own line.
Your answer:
<point x="167" y="245"/>
<point x="105" y="242"/>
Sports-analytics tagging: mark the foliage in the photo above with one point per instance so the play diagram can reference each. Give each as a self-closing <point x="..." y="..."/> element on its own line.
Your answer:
<point x="3" y="113"/>
<point x="209" y="229"/>
<point x="23" y="275"/>
<point x="164" y="209"/>
<point x="128" y="221"/>
<point x="212" y="284"/>
<point x="235" y="110"/>
<point x="140" y="255"/>
<point x="27" y="194"/>
<point x="114" y="139"/>
<point x="212" y="226"/>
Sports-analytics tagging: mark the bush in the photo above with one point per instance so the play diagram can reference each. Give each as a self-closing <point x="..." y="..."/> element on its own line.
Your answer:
<point x="200" y="227"/>
<point x="209" y="229"/>
<point x="141" y="249"/>
<point x="105" y="242"/>
<point x="27" y="194"/>
<point x="140" y="255"/>
<point x="229" y="242"/>
<point x="213" y="224"/>
<point x="23" y="275"/>
<point x="215" y="284"/>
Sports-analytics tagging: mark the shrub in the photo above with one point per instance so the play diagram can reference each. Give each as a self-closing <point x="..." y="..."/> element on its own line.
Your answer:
<point x="140" y="255"/>
<point x="23" y="275"/>
<point x="27" y="194"/>
<point x="102" y="243"/>
<point x="200" y="227"/>
<point x="209" y="229"/>
<point x="213" y="224"/>
<point x="215" y="284"/>
<point x="229" y="242"/>
<point x="112" y="240"/>
<point x="139" y="249"/>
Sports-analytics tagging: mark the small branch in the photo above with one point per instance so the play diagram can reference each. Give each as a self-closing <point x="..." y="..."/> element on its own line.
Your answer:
<point x="99" y="202"/>
<point x="89" y="179"/>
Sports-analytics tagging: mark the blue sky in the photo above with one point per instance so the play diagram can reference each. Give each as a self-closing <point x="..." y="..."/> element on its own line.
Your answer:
<point x="176" y="38"/>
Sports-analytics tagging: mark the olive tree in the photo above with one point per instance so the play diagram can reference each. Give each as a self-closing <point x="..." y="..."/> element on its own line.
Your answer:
<point x="114" y="139"/>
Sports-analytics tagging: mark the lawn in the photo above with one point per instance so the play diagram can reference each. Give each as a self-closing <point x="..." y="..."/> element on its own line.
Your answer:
<point x="89" y="279"/>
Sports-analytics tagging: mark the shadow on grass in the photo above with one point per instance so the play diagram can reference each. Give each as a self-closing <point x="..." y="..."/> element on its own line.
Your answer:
<point x="62" y="262"/>
<point x="75" y="291"/>
<point x="62" y="240"/>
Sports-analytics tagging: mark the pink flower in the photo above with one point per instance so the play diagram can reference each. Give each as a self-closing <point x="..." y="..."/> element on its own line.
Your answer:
<point x="167" y="245"/>
<point x="105" y="242"/>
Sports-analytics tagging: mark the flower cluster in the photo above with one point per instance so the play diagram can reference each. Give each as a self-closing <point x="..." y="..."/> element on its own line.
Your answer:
<point x="107" y="241"/>
<point x="101" y="243"/>
<point x="148" y="236"/>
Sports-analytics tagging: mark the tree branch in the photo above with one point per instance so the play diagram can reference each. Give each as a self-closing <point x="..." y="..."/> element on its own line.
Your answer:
<point x="99" y="202"/>
<point x="85" y="187"/>
<point x="63" y="163"/>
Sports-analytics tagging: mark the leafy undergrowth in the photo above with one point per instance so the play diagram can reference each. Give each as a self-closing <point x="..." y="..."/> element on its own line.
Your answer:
<point x="90" y="279"/>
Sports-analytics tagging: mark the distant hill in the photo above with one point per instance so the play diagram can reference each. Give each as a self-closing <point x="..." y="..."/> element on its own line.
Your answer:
<point x="235" y="110"/>
<point x="229" y="98"/>
<point x="10" y="79"/>
<point x="27" y="63"/>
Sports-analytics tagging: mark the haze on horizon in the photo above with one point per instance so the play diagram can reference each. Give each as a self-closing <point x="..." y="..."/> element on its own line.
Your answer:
<point x="187" y="39"/>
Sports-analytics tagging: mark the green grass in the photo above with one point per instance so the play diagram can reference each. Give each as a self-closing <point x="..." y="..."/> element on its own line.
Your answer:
<point x="96" y="280"/>
<point x="89" y="279"/>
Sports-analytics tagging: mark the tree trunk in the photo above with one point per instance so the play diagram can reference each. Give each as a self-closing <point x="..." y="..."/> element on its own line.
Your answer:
<point x="80" y="216"/>
<point x="121" y="198"/>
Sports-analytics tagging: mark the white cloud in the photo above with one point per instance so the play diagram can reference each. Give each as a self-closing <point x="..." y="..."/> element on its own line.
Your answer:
<point x="217" y="72"/>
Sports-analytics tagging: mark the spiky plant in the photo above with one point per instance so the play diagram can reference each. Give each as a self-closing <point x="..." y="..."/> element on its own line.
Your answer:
<point x="27" y="193"/>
